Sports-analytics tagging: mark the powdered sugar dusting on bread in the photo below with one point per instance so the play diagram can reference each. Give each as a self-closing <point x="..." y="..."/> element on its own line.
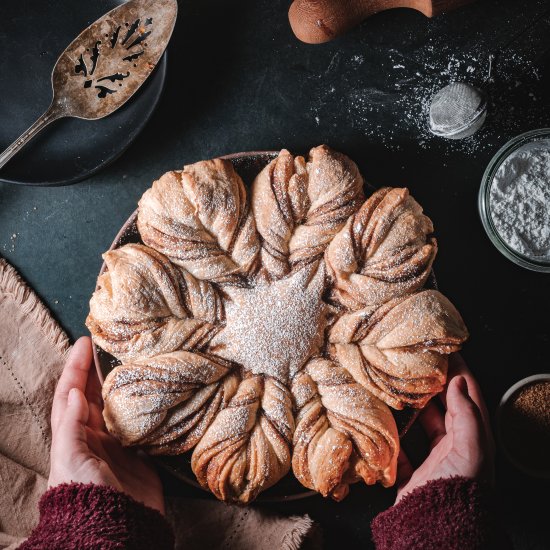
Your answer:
<point x="272" y="329"/>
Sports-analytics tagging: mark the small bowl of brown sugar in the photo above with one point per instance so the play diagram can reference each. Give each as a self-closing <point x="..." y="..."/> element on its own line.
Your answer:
<point x="523" y="425"/>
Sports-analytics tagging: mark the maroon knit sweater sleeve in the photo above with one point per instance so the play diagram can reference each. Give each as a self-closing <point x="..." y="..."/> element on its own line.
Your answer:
<point x="77" y="516"/>
<point x="451" y="514"/>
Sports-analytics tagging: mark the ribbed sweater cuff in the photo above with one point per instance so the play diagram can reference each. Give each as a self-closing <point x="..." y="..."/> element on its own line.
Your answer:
<point x="454" y="514"/>
<point x="96" y="516"/>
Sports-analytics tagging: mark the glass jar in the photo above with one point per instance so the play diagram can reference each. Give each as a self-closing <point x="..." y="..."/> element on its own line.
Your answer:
<point x="484" y="203"/>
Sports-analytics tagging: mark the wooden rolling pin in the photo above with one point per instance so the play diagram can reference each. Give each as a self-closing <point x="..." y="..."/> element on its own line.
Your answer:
<point x="316" y="21"/>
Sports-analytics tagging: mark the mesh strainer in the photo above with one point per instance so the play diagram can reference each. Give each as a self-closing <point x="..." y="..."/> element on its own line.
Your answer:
<point x="457" y="111"/>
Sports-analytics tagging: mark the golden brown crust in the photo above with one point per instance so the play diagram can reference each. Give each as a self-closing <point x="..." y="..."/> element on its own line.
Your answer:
<point x="384" y="251"/>
<point x="247" y="447"/>
<point x="299" y="206"/>
<point x="335" y="191"/>
<point x="399" y="352"/>
<point x="279" y="202"/>
<point x="200" y="219"/>
<point x="166" y="402"/>
<point x="145" y="306"/>
<point x="343" y="433"/>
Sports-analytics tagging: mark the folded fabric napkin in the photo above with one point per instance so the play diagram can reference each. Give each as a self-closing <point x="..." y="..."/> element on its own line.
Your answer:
<point x="32" y="352"/>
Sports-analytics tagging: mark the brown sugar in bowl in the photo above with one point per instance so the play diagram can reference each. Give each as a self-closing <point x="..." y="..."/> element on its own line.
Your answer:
<point x="523" y="425"/>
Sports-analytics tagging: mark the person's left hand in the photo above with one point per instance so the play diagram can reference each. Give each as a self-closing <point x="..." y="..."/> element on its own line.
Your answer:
<point x="82" y="449"/>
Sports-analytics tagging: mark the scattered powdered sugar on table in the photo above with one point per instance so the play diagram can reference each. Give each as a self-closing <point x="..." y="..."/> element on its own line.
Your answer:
<point x="395" y="109"/>
<point x="520" y="200"/>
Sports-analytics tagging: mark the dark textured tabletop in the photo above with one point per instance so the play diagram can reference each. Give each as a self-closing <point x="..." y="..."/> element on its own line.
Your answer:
<point x="238" y="80"/>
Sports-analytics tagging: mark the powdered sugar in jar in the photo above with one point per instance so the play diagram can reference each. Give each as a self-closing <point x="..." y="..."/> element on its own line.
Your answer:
<point x="514" y="200"/>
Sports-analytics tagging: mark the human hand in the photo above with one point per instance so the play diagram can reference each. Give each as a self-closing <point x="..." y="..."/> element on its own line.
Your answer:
<point x="82" y="449"/>
<point x="461" y="443"/>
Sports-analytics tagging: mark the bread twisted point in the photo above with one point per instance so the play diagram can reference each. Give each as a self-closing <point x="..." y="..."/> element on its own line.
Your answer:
<point x="166" y="402"/>
<point x="246" y="449"/>
<point x="343" y="433"/>
<point x="274" y="335"/>
<point x="399" y="353"/>
<point x="145" y="306"/>
<point x="199" y="218"/>
<point x="383" y="252"/>
<point x="299" y="206"/>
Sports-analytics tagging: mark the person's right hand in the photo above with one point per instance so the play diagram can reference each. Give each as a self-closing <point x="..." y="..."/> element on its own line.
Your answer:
<point x="461" y="440"/>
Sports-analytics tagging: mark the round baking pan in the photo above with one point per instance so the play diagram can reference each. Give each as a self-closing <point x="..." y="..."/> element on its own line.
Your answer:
<point x="247" y="165"/>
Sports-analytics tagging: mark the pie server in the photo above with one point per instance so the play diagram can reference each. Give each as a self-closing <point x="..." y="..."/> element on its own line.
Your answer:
<point x="106" y="64"/>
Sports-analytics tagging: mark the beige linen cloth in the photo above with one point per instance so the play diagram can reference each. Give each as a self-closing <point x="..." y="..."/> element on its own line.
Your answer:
<point x="32" y="352"/>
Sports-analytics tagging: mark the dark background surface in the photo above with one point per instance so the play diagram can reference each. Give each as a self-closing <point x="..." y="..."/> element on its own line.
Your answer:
<point x="238" y="80"/>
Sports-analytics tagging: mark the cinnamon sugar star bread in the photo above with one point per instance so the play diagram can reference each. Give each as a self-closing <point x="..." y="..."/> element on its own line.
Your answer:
<point x="273" y="332"/>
